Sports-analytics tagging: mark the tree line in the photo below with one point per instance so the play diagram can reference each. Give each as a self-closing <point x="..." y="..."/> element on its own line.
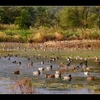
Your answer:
<point x="36" y="16"/>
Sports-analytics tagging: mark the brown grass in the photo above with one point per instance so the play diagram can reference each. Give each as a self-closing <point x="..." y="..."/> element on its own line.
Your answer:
<point x="24" y="86"/>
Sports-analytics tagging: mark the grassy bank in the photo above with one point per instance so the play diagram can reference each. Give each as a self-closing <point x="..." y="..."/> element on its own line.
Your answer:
<point x="11" y="33"/>
<point x="73" y="48"/>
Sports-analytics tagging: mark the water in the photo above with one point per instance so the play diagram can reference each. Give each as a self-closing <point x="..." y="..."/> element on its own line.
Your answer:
<point x="69" y="91"/>
<point x="7" y="77"/>
<point x="78" y="84"/>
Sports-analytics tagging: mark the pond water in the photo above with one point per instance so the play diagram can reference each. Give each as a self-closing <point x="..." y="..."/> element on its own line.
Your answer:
<point x="78" y="84"/>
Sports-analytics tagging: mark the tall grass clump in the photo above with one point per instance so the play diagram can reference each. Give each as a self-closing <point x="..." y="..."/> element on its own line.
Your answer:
<point x="43" y="34"/>
<point x="16" y="35"/>
<point x="11" y="33"/>
<point x="7" y="26"/>
<point x="71" y="34"/>
<point x="89" y="33"/>
<point x="23" y="86"/>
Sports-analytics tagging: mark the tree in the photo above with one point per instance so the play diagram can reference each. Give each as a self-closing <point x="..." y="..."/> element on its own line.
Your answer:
<point x="23" y="20"/>
<point x="97" y="12"/>
<point x="45" y="18"/>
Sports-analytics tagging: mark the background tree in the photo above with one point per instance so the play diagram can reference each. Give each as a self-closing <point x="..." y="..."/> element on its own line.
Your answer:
<point x="23" y="20"/>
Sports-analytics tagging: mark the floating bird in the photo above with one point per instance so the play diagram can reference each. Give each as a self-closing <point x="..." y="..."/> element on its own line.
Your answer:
<point x="90" y="78"/>
<point x="57" y="75"/>
<point x="67" y="77"/>
<point x="88" y="69"/>
<point x="30" y="64"/>
<point x="50" y="76"/>
<point x="49" y="67"/>
<point x="17" y="72"/>
<point x="86" y="73"/>
<point x="57" y="72"/>
<point x="42" y="62"/>
<point x="41" y="69"/>
<point x="47" y="75"/>
<point x="36" y="72"/>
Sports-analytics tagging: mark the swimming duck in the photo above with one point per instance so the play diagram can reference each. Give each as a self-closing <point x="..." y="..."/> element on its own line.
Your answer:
<point x="90" y="78"/>
<point x="49" y="67"/>
<point x="57" y="75"/>
<point x="17" y="72"/>
<point x="67" y="77"/>
<point x="86" y="73"/>
<point x="88" y="69"/>
<point x="50" y="76"/>
<point x="42" y="62"/>
<point x="36" y="73"/>
<point x="41" y="69"/>
<point x="57" y="72"/>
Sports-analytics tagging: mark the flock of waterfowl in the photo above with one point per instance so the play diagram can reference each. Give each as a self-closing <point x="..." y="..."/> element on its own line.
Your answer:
<point x="61" y="72"/>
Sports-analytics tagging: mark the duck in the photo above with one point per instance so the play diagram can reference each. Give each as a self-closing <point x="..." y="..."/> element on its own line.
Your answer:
<point x="88" y="69"/>
<point x="49" y="67"/>
<point x="50" y="76"/>
<point x="30" y="64"/>
<point x="90" y="78"/>
<point x="86" y="73"/>
<point x="67" y="77"/>
<point x="57" y="75"/>
<point x="41" y="69"/>
<point x="47" y="75"/>
<point x="42" y="62"/>
<point x="36" y="72"/>
<point x="19" y="63"/>
<point x="17" y="72"/>
<point x="57" y="72"/>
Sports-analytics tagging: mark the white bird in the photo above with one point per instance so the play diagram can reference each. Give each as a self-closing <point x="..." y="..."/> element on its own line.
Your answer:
<point x="41" y="69"/>
<point x="67" y="77"/>
<point x="42" y="62"/>
<point x="36" y="73"/>
<point x="57" y="75"/>
<point x="57" y="72"/>
<point x="49" y="67"/>
<point x="86" y="73"/>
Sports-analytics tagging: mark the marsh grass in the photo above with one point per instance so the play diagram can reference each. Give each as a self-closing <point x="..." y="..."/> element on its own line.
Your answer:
<point x="62" y="53"/>
<point x="42" y="34"/>
<point x="23" y="86"/>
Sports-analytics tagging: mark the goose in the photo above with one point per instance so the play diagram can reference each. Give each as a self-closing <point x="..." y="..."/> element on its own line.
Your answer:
<point x="67" y="77"/>
<point x="17" y="72"/>
<point x="36" y="73"/>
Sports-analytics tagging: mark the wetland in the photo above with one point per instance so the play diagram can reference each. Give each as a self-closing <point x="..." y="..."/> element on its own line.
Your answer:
<point x="28" y="57"/>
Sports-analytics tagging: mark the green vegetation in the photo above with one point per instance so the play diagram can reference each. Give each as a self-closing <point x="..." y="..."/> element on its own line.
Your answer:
<point x="44" y="23"/>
